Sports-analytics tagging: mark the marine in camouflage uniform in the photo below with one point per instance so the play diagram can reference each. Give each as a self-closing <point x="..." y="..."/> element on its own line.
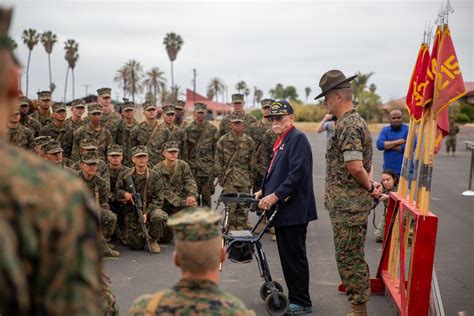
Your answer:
<point x="347" y="201"/>
<point x="150" y="187"/>
<point x="451" y="137"/>
<point x="129" y="122"/>
<point x="25" y="119"/>
<point x="199" y="150"/>
<point x="264" y="138"/>
<point x="176" y="133"/>
<point x="54" y="154"/>
<point x="89" y="145"/>
<point x="179" y="187"/>
<point x="238" y="103"/>
<point x="18" y="134"/>
<point x="93" y="130"/>
<point x="43" y="115"/>
<point x="234" y="165"/>
<point x="42" y="206"/>
<point x="75" y="120"/>
<point x="179" y="117"/>
<point x="117" y="171"/>
<point x="151" y="134"/>
<point x="194" y="229"/>
<point x="58" y="130"/>
<point x="38" y="145"/>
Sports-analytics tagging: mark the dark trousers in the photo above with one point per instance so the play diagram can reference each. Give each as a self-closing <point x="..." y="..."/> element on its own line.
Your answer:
<point x="291" y="241"/>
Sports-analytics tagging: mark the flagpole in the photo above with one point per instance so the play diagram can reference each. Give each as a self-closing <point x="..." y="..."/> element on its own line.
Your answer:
<point x="419" y="145"/>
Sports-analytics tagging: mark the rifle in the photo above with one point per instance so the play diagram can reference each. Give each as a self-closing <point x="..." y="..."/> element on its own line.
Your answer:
<point x="138" y="207"/>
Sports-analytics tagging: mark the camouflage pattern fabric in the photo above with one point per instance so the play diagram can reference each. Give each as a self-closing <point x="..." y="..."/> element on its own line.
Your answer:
<point x="102" y="137"/>
<point x="199" y="150"/>
<point x="42" y="119"/>
<point x="32" y="124"/>
<point x="264" y="138"/>
<point x="109" y="302"/>
<point x="100" y="190"/>
<point x="62" y="134"/>
<point x="152" y="202"/>
<point x="351" y="141"/>
<point x="36" y="277"/>
<point x="349" y="241"/>
<point x="115" y="203"/>
<point x="196" y="224"/>
<point x="113" y="123"/>
<point x="142" y="132"/>
<point x="21" y="136"/>
<point x="177" y="135"/>
<point x="450" y="143"/>
<point x="102" y="169"/>
<point x="73" y="125"/>
<point x="249" y="120"/>
<point x="192" y="297"/>
<point x="234" y="165"/>
<point x="349" y="203"/>
<point x="127" y="143"/>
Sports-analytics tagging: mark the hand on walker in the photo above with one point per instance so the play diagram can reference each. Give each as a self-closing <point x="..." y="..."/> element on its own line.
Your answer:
<point x="267" y="202"/>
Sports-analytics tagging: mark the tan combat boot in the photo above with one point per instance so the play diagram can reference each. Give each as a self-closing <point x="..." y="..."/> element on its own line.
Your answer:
<point x="109" y="252"/>
<point x="154" y="247"/>
<point x="358" y="310"/>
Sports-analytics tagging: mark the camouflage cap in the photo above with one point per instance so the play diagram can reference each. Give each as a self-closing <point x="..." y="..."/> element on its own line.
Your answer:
<point x="104" y="92"/>
<point x="266" y="103"/>
<point x="236" y="117"/>
<point x="87" y="143"/>
<point x="24" y="101"/>
<point x="128" y="105"/>
<point x="179" y="106"/>
<point x="171" y="146"/>
<point x="200" y="107"/>
<point x="94" y="108"/>
<point x="52" y="147"/>
<point x="40" y="141"/>
<point x="44" y="95"/>
<point x="114" y="150"/>
<point x="195" y="224"/>
<point x="78" y="103"/>
<point x="237" y="98"/>
<point x="90" y="158"/>
<point x="279" y="108"/>
<point x="139" y="151"/>
<point x="169" y="108"/>
<point x="59" y="106"/>
<point x="148" y="105"/>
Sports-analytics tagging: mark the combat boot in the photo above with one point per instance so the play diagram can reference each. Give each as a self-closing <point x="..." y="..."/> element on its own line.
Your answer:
<point x="108" y="251"/>
<point x="358" y="310"/>
<point x="154" y="247"/>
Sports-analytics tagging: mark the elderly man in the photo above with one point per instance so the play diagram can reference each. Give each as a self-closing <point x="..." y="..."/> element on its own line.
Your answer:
<point x="349" y="188"/>
<point x="392" y="141"/>
<point x="198" y="254"/>
<point x="288" y="182"/>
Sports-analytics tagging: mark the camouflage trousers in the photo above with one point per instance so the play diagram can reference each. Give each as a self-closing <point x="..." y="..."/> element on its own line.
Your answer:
<point x="450" y="144"/>
<point x="206" y="189"/>
<point x="379" y="232"/>
<point x="257" y="183"/>
<point x="120" y="228"/>
<point x="350" y="258"/>
<point x="109" y="302"/>
<point x="135" y="237"/>
<point x="238" y="213"/>
<point x="108" y="222"/>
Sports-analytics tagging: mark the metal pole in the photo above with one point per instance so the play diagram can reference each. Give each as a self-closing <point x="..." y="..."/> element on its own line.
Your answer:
<point x="470" y="172"/>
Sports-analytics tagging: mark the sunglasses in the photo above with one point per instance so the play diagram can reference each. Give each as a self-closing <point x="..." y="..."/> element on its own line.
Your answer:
<point x="276" y="118"/>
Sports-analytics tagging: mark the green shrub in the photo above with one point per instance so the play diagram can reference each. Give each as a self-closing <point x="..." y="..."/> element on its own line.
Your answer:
<point x="462" y="118"/>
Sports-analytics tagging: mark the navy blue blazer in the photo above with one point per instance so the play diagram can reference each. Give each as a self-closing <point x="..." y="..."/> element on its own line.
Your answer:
<point x="291" y="179"/>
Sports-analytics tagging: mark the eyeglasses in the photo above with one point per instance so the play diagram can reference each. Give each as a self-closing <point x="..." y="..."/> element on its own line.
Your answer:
<point x="276" y="118"/>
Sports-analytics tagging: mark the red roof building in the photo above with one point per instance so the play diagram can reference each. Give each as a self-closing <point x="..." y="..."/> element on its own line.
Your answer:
<point x="214" y="108"/>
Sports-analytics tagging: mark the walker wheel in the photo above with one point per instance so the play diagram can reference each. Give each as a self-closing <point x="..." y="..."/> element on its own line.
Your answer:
<point x="272" y="309"/>
<point x="265" y="291"/>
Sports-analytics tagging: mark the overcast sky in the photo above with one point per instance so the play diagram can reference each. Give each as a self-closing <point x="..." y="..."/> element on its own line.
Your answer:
<point x="262" y="43"/>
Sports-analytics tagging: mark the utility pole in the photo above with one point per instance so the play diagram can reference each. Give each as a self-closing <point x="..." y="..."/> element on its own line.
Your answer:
<point x="194" y="86"/>
<point x="86" y="87"/>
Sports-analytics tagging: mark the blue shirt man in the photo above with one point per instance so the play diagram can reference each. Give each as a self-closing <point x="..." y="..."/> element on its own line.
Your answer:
<point x="392" y="141"/>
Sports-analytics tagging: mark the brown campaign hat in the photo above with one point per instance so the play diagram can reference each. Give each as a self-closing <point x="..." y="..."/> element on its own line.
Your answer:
<point x="333" y="79"/>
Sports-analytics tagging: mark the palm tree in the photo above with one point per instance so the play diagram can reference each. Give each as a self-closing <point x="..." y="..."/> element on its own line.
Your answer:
<point x="210" y="94"/>
<point x="241" y="86"/>
<point x="173" y="43"/>
<point x="257" y="95"/>
<point x="30" y="39"/>
<point x="11" y="43"/>
<point x="307" y="92"/>
<point x="122" y="77"/>
<point x="372" y="87"/>
<point x="215" y="86"/>
<point x="48" y="39"/>
<point x="164" y="93"/>
<point x="72" y="48"/>
<point x="135" y="70"/>
<point x="247" y="93"/>
<point x="153" y="78"/>
<point x="360" y="83"/>
<point x="277" y="92"/>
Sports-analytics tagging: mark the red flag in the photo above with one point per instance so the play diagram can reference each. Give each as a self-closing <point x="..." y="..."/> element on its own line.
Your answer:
<point x="418" y="83"/>
<point x="449" y="84"/>
<point x="428" y="93"/>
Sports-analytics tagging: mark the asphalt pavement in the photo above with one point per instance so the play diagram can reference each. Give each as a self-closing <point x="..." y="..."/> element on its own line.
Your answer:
<point x="136" y="272"/>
